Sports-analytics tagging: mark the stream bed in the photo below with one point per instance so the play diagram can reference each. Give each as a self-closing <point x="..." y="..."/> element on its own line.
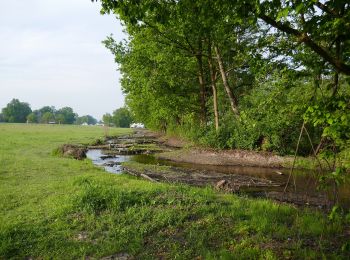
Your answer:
<point x="301" y="190"/>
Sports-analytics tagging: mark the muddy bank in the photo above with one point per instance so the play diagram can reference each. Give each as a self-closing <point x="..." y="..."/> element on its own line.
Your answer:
<point x="227" y="157"/>
<point x="77" y="152"/>
<point x="200" y="178"/>
<point x="183" y="151"/>
<point x="143" y="141"/>
<point x="242" y="184"/>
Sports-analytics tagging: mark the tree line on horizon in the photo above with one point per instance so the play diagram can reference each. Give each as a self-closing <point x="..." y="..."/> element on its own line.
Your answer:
<point x="20" y="112"/>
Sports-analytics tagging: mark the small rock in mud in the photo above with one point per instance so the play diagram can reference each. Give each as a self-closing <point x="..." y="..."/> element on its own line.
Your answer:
<point x="111" y="163"/>
<point x="75" y="151"/>
<point x="82" y="236"/>
<point x="104" y="157"/>
<point x="120" y="256"/>
<point x="220" y="184"/>
<point x="226" y="186"/>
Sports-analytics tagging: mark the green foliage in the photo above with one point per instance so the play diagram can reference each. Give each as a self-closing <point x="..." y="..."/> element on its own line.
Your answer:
<point x="107" y="119"/>
<point x="190" y="64"/>
<point x="19" y="112"/>
<point x="333" y="116"/>
<point x="90" y="120"/>
<point x="122" y="117"/>
<point x="32" y="118"/>
<point x="47" y="117"/>
<point x="16" y="111"/>
<point x="66" y="115"/>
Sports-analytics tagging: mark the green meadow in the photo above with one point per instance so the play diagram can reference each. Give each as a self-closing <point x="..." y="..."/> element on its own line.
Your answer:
<point x="60" y="208"/>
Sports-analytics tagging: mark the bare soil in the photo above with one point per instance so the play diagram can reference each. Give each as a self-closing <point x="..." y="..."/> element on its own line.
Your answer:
<point x="201" y="178"/>
<point x="226" y="157"/>
<point x="198" y="155"/>
<point x="76" y="151"/>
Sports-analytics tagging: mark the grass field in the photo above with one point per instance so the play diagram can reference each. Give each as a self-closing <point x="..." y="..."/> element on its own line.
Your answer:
<point x="61" y="208"/>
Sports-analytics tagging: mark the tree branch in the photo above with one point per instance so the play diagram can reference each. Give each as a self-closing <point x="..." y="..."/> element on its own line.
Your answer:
<point x="339" y="65"/>
<point x="326" y="9"/>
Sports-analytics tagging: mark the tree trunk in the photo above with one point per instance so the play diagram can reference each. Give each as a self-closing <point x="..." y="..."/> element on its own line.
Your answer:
<point x="214" y="89"/>
<point x="202" y="98"/>
<point x="336" y="74"/>
<point x="232" y="98"/>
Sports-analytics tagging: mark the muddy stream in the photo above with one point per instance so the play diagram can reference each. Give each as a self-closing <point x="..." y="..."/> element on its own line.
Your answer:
<point x="243" y="180"/>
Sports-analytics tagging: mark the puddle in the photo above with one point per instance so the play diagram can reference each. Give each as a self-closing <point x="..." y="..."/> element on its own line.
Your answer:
<point x="110" y="163"/>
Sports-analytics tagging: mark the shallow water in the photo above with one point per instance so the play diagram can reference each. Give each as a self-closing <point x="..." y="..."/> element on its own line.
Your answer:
<point x="111" y="165"/>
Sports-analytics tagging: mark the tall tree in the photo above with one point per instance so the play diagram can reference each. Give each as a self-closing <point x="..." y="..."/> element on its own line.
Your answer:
<point x="31" y="118"/>
<point x="107" y="119"/>
<point x="122" y="117"/>
<point x="47" y="117"/>
<point x="88" y="119"/>
<point x="66" y="115"/>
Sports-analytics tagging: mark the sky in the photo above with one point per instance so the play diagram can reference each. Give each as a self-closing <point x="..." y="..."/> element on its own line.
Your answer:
<point x="51" y="54"/>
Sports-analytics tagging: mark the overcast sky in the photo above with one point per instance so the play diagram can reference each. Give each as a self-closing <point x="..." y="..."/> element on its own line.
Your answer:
<point x="51" y="54"/>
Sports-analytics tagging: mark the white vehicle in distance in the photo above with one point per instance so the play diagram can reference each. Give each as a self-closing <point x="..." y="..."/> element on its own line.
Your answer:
<point x="137" y="125"/>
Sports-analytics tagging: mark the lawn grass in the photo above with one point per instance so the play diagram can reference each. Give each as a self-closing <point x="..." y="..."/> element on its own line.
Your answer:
<point x="61" y="208"/>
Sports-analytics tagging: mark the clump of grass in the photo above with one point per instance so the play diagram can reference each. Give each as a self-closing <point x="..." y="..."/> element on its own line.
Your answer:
<point x="96" y="198"/>
<point x="57" y="152"/>
<point x="99" y="141"/>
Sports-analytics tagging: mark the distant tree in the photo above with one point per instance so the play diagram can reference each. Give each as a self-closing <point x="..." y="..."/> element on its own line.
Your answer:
<point x="122" y="117"/>
<point x="2" y="118"/>
<point x="37" y="115"/>
<point x="47" y="117"/>
<point x="66" y="115"/>
<point x="60" y="119"/>
<point x="107" y="119"/>
<point x="45" y="109"/>
<point x="16" y="111"/>
<point x="91" y="120"/>
<point x="32" y="118"/>
<point x="86" y="119"/>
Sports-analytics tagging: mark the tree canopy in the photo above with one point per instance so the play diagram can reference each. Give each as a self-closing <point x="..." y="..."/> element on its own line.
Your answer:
<point x="88" y="119"/>
<point x="239" y="74"/>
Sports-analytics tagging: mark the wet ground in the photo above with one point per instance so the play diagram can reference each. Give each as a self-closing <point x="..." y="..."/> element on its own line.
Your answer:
<point x="276" y="183"/>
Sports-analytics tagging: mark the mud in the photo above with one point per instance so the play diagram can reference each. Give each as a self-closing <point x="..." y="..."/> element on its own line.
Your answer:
<point x="230" y="182"/>
<point x="75" y="151"/>
<point x="227" y="157"/>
